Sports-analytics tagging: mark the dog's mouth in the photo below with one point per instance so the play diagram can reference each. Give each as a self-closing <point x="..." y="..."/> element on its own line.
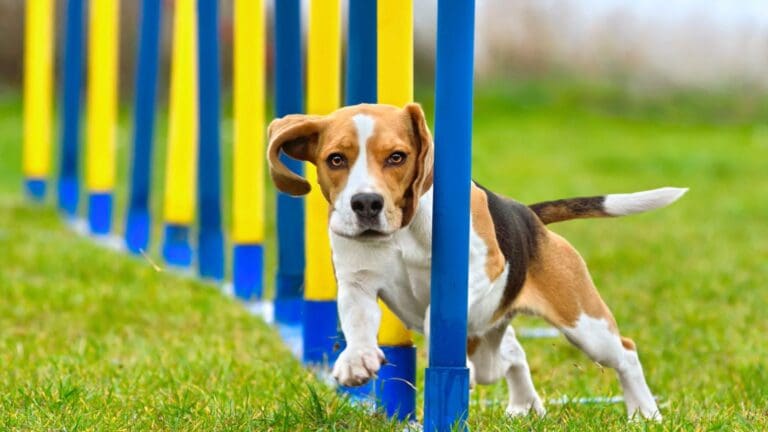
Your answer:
<point x="372" y="234"/>
<point x="369" y="234"/>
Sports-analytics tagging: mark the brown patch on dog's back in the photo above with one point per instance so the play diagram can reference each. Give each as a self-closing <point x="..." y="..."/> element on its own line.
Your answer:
<point x="482" y="224"/>
<point x="559" y="287"/>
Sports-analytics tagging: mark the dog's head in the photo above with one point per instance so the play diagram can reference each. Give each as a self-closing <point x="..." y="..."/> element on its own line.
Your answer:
<point x="373" y="163"/>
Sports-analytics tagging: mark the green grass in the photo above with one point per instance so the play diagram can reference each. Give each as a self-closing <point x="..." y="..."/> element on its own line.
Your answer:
<point x="91" y="339"/>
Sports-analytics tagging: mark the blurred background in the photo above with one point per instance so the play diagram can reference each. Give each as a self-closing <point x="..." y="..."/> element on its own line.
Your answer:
<point x="653" y="45"/>
<point x="573" y="98"/>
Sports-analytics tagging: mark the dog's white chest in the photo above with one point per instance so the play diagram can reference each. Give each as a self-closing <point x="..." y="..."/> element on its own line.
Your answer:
<point x="415" y="246"/>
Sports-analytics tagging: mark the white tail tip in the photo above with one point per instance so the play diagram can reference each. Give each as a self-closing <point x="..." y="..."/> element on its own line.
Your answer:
<point x="638" y="202"/>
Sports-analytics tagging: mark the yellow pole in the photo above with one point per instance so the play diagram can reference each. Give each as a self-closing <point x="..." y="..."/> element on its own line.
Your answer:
<point x="323" y="97"/>
<point x="248" y="164"/>
<point x="395" y="87"/>
<point x="181" y="156"/>
<point x="101" y="112"/>
<point x="38" y="95"/>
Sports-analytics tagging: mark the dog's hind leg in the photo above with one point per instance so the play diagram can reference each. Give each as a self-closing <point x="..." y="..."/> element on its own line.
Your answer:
<point x="561" y="290"/>
<point x="498" y="354"/>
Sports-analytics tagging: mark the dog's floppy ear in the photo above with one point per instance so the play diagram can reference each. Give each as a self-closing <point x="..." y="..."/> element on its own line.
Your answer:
<point x="424" y="161"/>
<point x="297" y="136"/>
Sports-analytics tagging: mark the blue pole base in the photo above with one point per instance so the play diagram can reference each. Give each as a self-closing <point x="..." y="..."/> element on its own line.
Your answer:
<point x="248" y="271"/>
<point x="35" y="188"/>
<point x="396" y="384"/>
<point x="68" y="191"/>
<point x="176" y="248"/>
<point x="137" y="231"/>
<point x="100" y="213"/>
<point x="288" y="307"/>
<point x="210" y="260"/>
<point x="321" y="340"/>
<point x="446" y="393"/>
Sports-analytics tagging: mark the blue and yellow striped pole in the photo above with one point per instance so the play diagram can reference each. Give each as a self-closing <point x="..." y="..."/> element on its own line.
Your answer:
<point x="72" y="77"/>
<point x="248" y="164"/>
<point x="323" y="97"/>
<point x="360" y="88"/>
<point x="181" y="156"/>
<point x="102" y="113"/>
<point x="38" y="96"/>
<point x="446" y="394"/>
<point x="395" y="385"/>
<point x="289" y="99"/>
<point x="210" y="239"/>
<point x="138" y="221"/>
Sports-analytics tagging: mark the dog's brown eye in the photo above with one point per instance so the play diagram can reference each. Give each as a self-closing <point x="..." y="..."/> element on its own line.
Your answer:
<point x="396" y="158"/>
<point x="336" y="160"/>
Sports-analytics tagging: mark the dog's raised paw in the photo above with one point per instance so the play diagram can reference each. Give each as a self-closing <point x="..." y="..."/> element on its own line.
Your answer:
<point x="356" y="366"/>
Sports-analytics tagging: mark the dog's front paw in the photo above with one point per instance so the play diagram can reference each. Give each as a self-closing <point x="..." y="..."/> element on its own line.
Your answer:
<point x="355" y="366"/>
<point x="521" y="409"/>
<point x="650" y="415"/>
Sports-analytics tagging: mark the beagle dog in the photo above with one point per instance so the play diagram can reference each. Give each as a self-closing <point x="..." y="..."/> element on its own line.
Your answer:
<point x="374" y="167"/>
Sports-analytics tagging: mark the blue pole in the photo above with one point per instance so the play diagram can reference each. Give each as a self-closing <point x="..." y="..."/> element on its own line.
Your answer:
<point x="210" y="237"/>
<point x="446" y="398"/>
<point x="69" y="184"/>
<point x="361" y="53"/>
<point x="138" y="220"/>
<point x="360" y="88"/>
<point x="289" y="99"/>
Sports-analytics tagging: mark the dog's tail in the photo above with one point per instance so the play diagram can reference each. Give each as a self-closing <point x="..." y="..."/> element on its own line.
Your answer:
<point x="606" y="205"/>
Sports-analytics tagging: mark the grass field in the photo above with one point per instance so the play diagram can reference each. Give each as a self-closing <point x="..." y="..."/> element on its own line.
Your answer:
<point x="93" y="339"/>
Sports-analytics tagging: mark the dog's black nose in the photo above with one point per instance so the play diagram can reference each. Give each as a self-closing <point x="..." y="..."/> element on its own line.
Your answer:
<point x="367" y="205"/>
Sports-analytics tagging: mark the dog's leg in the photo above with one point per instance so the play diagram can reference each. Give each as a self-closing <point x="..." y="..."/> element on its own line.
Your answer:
<point x="522" y="395"/>
<point x="360" y="316"/>
<point x="561" y="290"/>
<point x="497" y="354"/>
<point x="604" y="345"/>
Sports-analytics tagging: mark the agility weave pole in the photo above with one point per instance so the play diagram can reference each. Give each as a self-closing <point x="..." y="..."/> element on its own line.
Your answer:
<point x="289" y="99"/>
<point x="249" y="149"/>
<point x="446" y="393"/>
<point x="361" y="87"/>
<point x="210" y="239"/>
<point x="138" y="219"/>
<point x="323" y="97"/>
<point x="38" y="96"/>
<point x="181" y="157"/>
<point x="101" y="120"/>
<point x="68" y="189"/>
<point x="395" y="385"/>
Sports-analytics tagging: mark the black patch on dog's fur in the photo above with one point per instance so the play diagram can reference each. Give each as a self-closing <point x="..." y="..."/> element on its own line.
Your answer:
<point x="518" y="230"/>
